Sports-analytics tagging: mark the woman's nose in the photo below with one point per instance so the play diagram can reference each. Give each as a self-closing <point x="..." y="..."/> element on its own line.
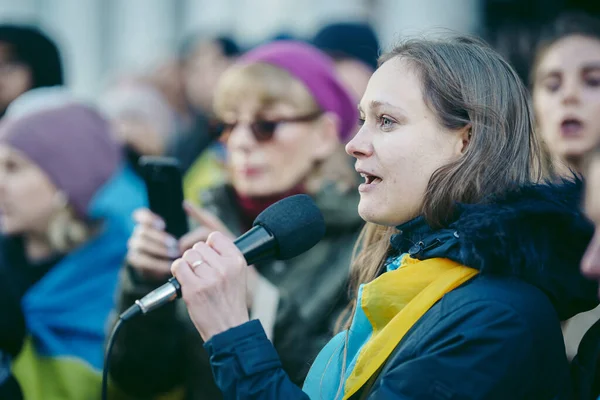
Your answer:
<point x="571" y="92"/>
<point x="241" y="137"/>
<point x="360" y="146"/>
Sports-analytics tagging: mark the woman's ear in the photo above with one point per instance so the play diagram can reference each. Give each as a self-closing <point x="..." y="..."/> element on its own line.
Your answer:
<point x="327" y="139"/>
<point x="464" y="135"/>
<point x="60" y="200"/>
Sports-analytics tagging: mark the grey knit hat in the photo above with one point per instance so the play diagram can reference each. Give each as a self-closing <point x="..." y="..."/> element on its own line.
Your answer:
<point x="72" y="144"/>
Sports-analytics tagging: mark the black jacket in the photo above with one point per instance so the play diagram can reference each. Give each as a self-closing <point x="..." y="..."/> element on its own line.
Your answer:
<point x="496" y="337"/>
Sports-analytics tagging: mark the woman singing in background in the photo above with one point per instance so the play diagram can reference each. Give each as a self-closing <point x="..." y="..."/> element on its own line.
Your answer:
<point x="566" y="97"/>
<point x="566" y="90"/>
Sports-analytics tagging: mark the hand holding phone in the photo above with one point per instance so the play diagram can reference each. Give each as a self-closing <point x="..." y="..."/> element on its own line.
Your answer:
<point x="153" y="246"/>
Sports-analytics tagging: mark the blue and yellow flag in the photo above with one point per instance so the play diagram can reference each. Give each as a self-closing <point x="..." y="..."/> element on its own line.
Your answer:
<point x="67" y="310"/>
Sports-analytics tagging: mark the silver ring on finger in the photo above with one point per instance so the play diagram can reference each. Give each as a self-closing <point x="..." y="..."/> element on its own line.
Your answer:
<point x="196" y="264"/>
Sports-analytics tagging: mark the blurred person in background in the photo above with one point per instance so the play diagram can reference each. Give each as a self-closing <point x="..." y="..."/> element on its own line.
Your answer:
<point x="355" y="48"/>
<point x="285" y="118"/>
<point x="566" y="89"/>
<point x="204" y="59"/>
<point x="168" y="79"/>
<point x="566" y="97"/>
<point x="193" y="79"/>
<point x="28" y="59"/>
<point x="65" y="204"/>
<point x="142" y="119"/>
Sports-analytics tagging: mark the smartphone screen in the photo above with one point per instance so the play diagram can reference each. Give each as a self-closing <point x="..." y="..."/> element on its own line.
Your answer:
<point x="162" y="176"/>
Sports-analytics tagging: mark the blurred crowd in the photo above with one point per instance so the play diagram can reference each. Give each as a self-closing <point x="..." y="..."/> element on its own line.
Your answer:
<point x="248" y="127"/>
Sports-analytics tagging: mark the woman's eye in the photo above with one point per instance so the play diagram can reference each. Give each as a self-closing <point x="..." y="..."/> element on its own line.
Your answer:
<point x="11" y="166"/>
<point x="385" y="122"/>
<point x="593" y="81"/>
<point x="552" y="86"/>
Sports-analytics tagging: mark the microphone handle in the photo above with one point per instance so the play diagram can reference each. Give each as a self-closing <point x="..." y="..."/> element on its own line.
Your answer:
<point x="156" y="298"/>
<point x="257" y="244"/>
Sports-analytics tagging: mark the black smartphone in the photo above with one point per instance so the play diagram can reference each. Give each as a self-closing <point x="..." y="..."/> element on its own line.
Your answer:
<point x="162" y="176"/>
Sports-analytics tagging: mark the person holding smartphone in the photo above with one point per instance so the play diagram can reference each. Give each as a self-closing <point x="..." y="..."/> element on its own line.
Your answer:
<point x="285" y="117"/>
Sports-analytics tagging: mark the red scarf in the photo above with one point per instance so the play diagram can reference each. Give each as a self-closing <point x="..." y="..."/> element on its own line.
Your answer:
<point x="250" y="207"/>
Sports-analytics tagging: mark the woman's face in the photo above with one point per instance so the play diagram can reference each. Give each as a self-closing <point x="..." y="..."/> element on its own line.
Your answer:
<point x="15" y="77"/>
<point x="27" y="197"/>
<point x="139" y="134"/>
<point x="276" y="165"/>
<point x="399" y="145"/>
<point x="202" y="72"/>
<point x="566" y="97"/>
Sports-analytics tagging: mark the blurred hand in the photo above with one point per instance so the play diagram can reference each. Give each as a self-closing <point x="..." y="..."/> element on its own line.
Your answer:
<point x="208" y="224"/>
<point x="213" y="284"/>
<point x="150" y="249"/>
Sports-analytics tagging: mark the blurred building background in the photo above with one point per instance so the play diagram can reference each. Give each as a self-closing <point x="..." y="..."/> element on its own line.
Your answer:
<point x="104" y="38"/>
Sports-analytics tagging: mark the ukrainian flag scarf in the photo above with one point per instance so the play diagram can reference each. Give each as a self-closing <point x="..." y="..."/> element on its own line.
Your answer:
<point x="66" y="311"/>
<point x="388" y="307"/>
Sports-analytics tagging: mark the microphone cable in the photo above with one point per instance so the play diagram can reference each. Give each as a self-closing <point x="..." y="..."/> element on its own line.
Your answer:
<point x="111" y="342"/>
<point x="124" y="317"/>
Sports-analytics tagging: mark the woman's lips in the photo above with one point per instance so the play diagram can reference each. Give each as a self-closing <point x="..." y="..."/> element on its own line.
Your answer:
<point x="571" y="128"/>
<point x="250" y="172"/>
<point x="371" y="181"/>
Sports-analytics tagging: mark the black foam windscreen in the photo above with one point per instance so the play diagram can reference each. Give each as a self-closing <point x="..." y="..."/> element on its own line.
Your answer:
<point x="296" y="222"/>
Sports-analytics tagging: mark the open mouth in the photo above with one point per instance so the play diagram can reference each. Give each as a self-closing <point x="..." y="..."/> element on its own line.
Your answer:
<point x="248" y="171"/>
<point x="370" y="179"/>
<point x="571" y="127"/>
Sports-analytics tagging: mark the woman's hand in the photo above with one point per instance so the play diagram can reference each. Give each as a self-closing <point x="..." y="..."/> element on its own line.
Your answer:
<point x="212" y="276"/>
<point x="208" y="224"/>
<point x="150" y="250"/>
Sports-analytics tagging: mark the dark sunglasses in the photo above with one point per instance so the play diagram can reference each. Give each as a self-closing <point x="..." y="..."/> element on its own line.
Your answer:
<point x="263" y="130"/>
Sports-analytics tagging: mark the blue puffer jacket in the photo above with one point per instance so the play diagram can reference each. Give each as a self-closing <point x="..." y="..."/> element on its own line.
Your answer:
<point x="496" y="337"/>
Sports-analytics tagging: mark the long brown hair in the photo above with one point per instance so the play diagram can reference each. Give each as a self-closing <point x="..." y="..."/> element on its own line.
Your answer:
<point x="466" y="84"/>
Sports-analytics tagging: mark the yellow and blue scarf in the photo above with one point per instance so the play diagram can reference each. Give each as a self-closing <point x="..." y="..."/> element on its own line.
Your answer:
<point x="388" y="307"/>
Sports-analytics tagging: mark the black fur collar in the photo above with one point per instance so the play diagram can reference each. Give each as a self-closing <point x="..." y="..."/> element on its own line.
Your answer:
<point x="536" y="232"/>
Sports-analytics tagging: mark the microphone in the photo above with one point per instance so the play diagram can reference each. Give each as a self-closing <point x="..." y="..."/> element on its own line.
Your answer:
<point x="284" y="230"/>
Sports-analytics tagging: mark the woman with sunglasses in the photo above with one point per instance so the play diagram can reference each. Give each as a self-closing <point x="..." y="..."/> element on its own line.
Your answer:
<point x="285" y="117"/>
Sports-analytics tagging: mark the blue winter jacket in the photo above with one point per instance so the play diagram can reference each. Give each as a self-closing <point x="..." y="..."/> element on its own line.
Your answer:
<point x="496" y="337"/>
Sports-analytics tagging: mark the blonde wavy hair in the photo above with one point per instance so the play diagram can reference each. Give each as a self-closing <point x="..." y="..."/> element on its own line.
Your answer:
<point x="66" y="230"/>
